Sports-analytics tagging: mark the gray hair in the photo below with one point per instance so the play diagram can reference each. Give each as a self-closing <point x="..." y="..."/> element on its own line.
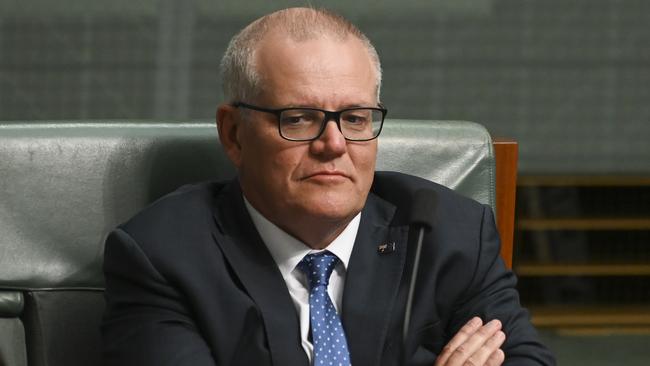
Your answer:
<point x="241" y="81"/>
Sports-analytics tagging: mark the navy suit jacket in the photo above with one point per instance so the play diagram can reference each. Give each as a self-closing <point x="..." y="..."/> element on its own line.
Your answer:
<point x="189" y="281"/>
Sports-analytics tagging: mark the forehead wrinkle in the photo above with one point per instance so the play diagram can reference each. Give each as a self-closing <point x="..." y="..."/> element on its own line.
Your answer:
<point x="334" y="100"/>
<point x="317" y="73"/>
<point x="326" y="90"/>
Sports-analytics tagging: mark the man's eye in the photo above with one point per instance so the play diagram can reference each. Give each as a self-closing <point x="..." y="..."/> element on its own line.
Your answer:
<point x="292" y="120"/>
<point x="299" y="118"/>
<point x="355" y="119"/>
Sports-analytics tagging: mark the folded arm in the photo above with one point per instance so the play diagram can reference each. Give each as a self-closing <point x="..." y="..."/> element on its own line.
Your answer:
<point x="502" y="332"/>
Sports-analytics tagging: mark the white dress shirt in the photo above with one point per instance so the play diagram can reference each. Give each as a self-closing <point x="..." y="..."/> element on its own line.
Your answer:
<point x="288" y="251"/>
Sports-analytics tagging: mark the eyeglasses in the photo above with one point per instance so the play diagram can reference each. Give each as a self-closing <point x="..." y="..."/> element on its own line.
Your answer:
<point x="307" y="124"/>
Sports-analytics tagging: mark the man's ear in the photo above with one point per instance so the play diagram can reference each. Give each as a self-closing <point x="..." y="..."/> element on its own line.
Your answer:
<point x="227" y="126"/>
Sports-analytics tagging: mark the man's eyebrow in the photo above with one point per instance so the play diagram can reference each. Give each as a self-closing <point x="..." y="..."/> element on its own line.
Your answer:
<point x="357" y="105"/>
<point x="345" y="106"/>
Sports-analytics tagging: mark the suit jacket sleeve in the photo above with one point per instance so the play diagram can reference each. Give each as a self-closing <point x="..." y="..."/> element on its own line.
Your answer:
<point x="146" y="321"/>
<point x="492" y="294"/>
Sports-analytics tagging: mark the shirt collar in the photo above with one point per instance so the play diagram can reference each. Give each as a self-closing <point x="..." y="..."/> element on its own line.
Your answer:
<point x="288" y="251"/>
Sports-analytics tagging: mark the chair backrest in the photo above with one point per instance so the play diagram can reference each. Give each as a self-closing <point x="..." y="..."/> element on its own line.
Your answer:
<point x="64" y="185"/>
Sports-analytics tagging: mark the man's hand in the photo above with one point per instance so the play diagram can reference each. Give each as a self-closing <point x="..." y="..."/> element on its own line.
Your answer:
<point x="475" y="344"/>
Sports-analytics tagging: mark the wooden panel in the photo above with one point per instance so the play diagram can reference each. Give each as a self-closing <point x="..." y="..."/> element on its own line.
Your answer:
<point x="641" y="223"/>
<point x="584" y="181"/>
<point x="506" y="155"/>
<point x="603" y="330"/>
<point x="592" y="269"/>
<point x="562" y="316"/>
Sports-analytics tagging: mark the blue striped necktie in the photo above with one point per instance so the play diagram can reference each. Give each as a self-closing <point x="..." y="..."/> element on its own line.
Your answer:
<point x="328" y="337"/>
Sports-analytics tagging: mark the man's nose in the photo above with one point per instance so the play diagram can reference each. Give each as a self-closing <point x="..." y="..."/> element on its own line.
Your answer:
<point x="331" y="141"/>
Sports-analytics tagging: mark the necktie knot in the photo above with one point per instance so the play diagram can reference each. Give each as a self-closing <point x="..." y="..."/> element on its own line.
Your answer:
<point x="318" y="267"/>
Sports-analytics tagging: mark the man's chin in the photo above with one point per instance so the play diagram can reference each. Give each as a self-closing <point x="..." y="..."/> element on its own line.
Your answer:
<point x="334" y="202"/>
<point x="332" y="210"/>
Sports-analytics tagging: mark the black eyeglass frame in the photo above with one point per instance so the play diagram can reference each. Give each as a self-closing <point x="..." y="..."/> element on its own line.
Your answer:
<point x="329" y="115"/>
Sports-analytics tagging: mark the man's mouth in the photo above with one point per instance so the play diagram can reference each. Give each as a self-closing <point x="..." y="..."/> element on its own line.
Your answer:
<point x="327" y="175"/>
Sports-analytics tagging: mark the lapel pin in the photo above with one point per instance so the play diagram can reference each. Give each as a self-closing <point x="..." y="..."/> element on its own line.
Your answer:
<point x="386" y="248"/>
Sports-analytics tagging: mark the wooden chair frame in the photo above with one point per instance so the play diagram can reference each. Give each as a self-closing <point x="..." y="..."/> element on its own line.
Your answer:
<point x="506" y="152"/>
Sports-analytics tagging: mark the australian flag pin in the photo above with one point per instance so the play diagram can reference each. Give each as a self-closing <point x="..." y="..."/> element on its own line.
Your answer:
<point x="386" y="248"/>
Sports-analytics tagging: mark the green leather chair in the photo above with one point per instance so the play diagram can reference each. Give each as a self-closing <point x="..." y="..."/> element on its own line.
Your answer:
<point x="64" y="185"/>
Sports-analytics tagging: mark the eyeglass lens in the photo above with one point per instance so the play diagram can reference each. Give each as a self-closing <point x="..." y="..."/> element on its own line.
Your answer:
<point x="306" y="124"/>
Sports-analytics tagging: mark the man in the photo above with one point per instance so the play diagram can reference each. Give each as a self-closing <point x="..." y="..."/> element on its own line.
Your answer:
<point x="280" y="266"/>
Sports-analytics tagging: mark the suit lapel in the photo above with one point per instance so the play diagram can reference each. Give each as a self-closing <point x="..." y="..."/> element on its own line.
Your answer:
<point x="260" y="276"/>
<point x="372" y="282"/>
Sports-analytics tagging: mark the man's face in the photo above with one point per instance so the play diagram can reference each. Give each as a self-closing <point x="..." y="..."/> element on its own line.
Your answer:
<point x="302" y="183"/>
